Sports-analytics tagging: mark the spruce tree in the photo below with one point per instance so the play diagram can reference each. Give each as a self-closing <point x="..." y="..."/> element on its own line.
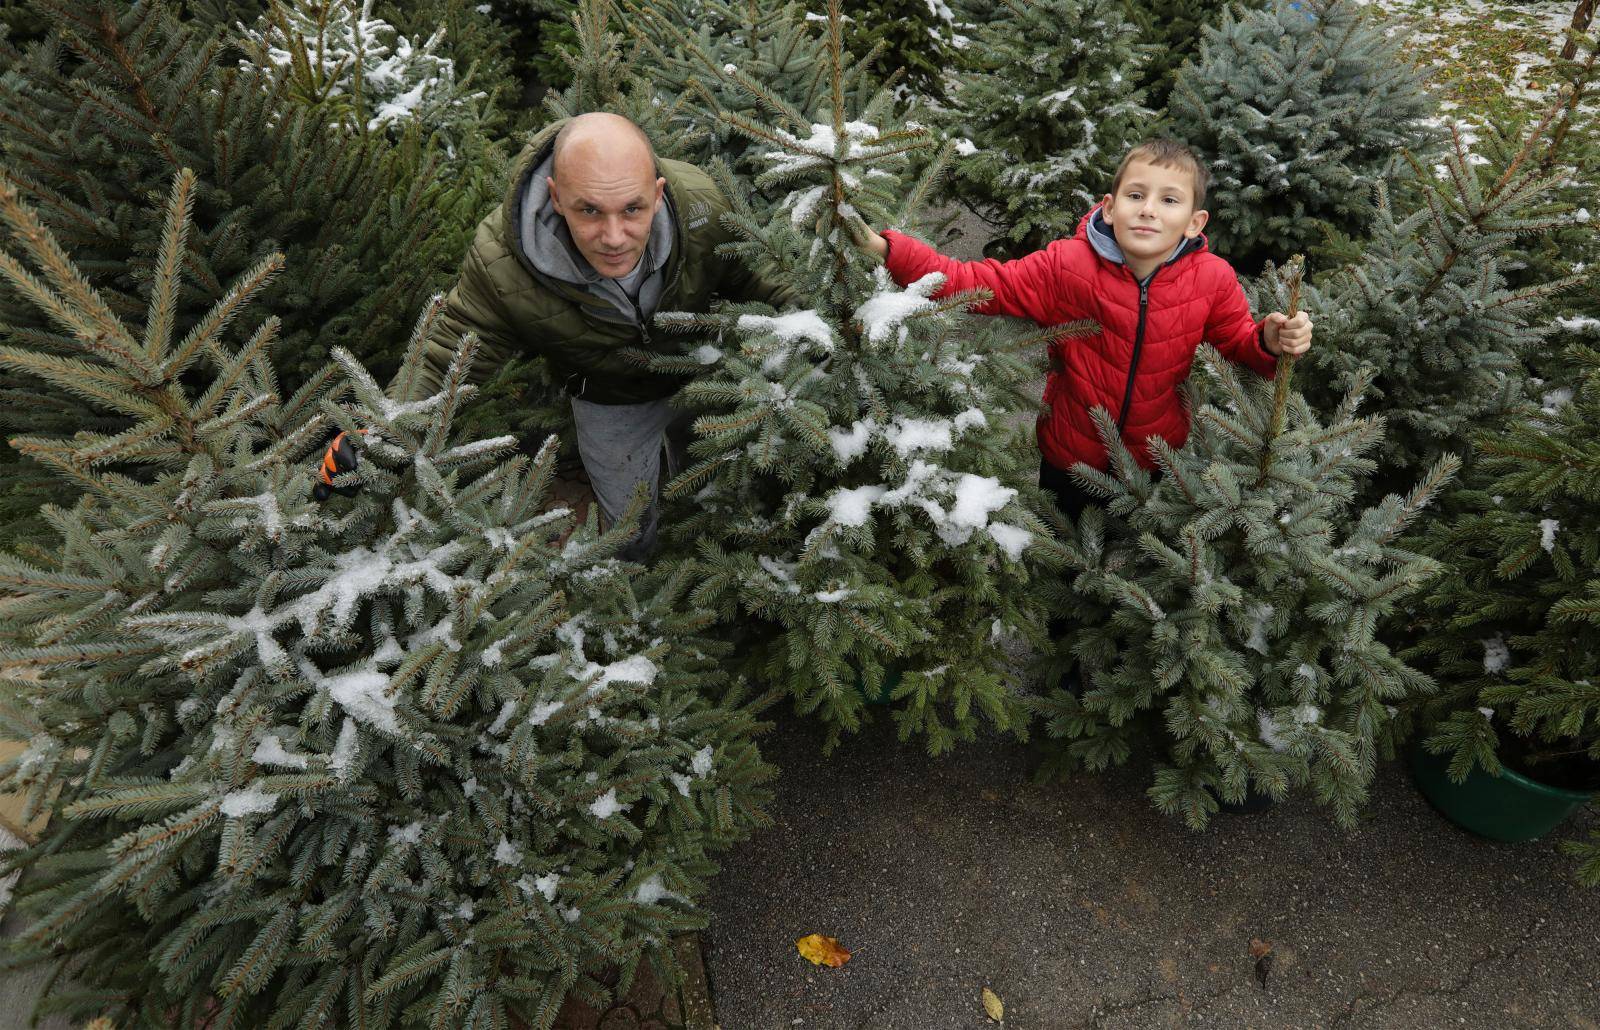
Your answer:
<point x="606" y="75"/>
<point x="1300" y="109"/>
<point x="859" y="498"/>
<point x="1570" y="152"/>
<point x="1427" y="304"/>
<point x="96" y="119"/>
<point x="711" y="58"/>
<point x="1174" y="29"/>
<point x="1231" y="604"/>
<point x="916" y="38"/>
<point x="362" y="75"/>
<point x="408" y="759"/>
<point x="1512" y="632"/>
<point x="541" y="34"/>
<point x="1045" y="116"/>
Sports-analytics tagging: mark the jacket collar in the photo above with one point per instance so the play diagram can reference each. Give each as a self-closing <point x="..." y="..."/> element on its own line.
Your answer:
<point x="1104" y="241"/>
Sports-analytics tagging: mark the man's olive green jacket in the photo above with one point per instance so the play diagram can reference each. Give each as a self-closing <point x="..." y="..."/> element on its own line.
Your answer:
<point x="518" y="311"/>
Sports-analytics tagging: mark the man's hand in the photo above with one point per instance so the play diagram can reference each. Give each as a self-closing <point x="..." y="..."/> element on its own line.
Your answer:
<point x="340" y="457"/>
<point x="1285" y="336"/>
<point x="866" y="240"/>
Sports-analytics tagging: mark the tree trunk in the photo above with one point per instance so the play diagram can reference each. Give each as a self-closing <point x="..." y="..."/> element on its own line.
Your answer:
<point x="1581" y="17"/>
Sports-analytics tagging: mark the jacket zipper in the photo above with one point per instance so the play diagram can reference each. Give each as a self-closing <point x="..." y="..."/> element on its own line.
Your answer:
<point x="1138" y="345"/>
<point x="638" y="318"/>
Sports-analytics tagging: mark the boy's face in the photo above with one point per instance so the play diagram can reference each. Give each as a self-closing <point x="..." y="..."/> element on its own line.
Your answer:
<point x="1153" y="209"/>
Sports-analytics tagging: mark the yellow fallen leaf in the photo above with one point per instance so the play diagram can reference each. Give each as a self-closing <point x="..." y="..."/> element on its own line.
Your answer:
<point x="993" y="1006"/>
<point x="824" y="951"/>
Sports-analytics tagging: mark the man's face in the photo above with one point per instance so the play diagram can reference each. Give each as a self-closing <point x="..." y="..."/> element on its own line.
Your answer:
<point x="1152" y="210"/>
<point x="608" y="205"/>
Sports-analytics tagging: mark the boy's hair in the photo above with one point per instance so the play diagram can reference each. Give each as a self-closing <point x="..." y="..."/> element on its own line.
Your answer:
<point x="1167" y="153"/>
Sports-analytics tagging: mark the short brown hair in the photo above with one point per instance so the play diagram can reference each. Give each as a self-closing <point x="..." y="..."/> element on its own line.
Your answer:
<point x="1166" y="153"/>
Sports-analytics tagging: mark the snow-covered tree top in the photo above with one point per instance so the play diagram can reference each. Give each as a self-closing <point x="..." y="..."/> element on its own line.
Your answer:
<point x="337" y="49"/>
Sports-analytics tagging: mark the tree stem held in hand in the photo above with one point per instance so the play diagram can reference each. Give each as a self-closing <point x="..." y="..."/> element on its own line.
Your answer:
<point x="1292" y="274"/>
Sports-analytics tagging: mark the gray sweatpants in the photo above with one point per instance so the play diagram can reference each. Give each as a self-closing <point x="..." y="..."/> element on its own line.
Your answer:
<point x="621" y="446"/>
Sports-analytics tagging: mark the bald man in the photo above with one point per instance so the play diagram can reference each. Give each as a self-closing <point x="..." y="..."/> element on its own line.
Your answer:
<point x="594" y="237"/>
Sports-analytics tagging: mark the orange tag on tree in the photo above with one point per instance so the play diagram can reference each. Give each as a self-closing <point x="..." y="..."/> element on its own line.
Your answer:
<point x="824" y="951"/>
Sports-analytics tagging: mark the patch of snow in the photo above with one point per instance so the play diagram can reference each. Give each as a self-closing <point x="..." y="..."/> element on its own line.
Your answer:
<point x="791" y="327"/>
<point x="250" y="801"/>
<point x="362" y="694"/>
<point x="1012" y="539"/>
<point x="652" y="891"/>
<point x="848" y="446"/>
<point x="851" y="507"/>
<point x="1274" y="729"/>
<point x="507" y="853"/>
<point x="970" y="418"/>
<point x="606" y="805"/>
<point x="503" y="717"/>
<point x="805" y="205"/>
<point x="887" y="310"/>
<point x="1547" y="533"/>
<point x="1496" y="655"/>
<point x="912" y="434"/>
<point x="270" y="751"/>
<point x="344" y="750"/>
<point x="541" y="712"/>
<point x="411" y="833"/>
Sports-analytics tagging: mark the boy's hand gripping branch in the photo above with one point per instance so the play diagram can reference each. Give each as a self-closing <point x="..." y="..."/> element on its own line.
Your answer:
<point x="866" y="238"/>
<point x="1286" y="336"/>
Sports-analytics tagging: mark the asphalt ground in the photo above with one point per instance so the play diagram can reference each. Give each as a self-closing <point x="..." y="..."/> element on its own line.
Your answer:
<point x="1080" y="905"/>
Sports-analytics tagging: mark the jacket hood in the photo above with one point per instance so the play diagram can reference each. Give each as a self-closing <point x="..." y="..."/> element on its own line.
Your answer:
<point x="1103" y="239"/>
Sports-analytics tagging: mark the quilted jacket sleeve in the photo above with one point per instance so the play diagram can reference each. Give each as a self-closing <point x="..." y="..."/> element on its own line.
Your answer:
<point x="473" y="305"/>
<point x="1035" y="286"/>
<point x="1233" y="330"/>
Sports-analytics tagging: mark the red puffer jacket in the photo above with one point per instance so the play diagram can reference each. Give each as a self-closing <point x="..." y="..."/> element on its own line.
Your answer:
<point x="1149" y="333"/>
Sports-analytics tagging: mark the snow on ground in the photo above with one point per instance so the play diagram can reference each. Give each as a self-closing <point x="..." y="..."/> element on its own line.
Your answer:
<point x="1480" y="50"/>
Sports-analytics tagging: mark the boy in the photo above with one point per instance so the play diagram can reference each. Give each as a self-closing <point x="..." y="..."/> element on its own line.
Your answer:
<point x="1138" y="266"/>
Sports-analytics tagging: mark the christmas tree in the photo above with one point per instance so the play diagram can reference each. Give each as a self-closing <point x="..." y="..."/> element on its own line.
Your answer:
<point x="710" y="58"/>
<point x="405" y="759"/>
<point x="99" y="116"/>
<point x="1174" y="30"/>
<point x="1046" y="115"/>
<point x="1569" y="152"/>
<point x="1231" y="603"/>
<point x="915" y="38"/>
<point x="1427" y="303"/>
<point x="606" y="77"/>
<point x="362" y="75"/>
<point x="1512" y="632"/>
<point x="1300" y="107"/>
<point x="858" y="486"/>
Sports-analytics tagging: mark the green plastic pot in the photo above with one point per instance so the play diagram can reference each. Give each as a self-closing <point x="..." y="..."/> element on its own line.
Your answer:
<point x="1508" y="807"/>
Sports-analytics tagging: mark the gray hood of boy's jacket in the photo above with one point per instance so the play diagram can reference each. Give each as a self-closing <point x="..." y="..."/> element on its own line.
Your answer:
<point x="547" y="242"/>
<point x="1104" y="241"/>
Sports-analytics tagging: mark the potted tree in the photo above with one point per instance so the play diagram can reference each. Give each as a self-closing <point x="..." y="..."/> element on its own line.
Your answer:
<point x="1510" y="744"/>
